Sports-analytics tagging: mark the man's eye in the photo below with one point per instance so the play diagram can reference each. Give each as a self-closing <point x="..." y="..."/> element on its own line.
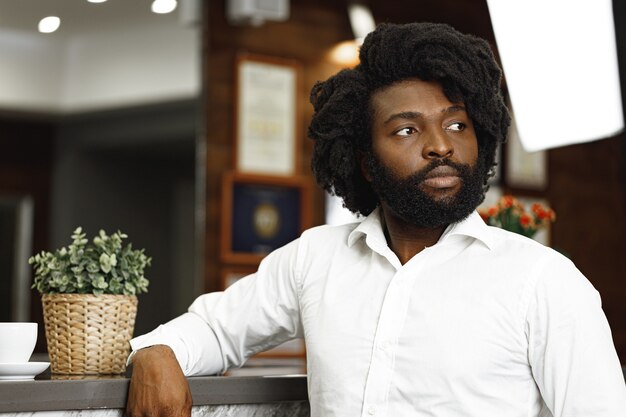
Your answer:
<point x="456" y="127"/>
<point x="406" y="131"/>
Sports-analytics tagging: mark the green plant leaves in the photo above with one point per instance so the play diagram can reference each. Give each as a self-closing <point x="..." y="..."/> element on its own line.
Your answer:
<point x="105" y="266"/>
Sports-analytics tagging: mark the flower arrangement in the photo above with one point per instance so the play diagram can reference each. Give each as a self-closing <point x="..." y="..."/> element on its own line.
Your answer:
<point x="510" y="214"/>
<point x="104" y="266"/>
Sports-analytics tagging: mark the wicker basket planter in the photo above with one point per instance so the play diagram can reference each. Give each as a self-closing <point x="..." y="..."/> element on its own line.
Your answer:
<point x="88" y="334"/>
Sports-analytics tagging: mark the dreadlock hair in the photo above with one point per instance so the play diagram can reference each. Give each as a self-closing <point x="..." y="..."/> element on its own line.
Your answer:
<point x="463" y="64"/>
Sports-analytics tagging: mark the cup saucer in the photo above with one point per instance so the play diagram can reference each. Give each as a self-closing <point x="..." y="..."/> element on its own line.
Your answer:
<point x="22" y="371"/>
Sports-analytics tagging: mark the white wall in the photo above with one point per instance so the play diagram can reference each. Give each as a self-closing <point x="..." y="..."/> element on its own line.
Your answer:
<point x="129" y="66"/>
<point x="136" y="65"/>
<point x="30" y="72"/>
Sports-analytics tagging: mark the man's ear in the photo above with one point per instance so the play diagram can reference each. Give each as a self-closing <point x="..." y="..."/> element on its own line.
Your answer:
<point x="363" y="164"/>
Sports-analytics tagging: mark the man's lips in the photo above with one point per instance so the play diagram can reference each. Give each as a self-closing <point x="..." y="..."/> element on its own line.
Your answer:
<point x="442" y="177"/>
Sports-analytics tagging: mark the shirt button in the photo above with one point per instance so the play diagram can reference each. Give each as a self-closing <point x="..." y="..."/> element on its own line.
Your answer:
<point x="384" y="345"/>
<point x="371" y="410"/>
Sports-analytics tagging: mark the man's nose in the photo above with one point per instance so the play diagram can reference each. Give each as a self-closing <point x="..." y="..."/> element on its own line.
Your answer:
<point x="437" y="145"/>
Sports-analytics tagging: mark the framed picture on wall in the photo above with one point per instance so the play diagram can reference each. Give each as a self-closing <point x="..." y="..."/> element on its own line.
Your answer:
<point x="267" y="115"/>
<point x="260" y="214"/>
<point x="524" y="170"/>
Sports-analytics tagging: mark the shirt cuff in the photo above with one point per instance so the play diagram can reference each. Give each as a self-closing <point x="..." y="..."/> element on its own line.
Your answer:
<point x="191" y="339"/>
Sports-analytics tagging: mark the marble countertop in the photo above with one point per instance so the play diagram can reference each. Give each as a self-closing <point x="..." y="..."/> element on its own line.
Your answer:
<point x="65" y="392"/>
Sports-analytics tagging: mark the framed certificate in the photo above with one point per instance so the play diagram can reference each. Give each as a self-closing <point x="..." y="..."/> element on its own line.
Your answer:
<point x="260" y="214"/>
<point x="267" y="116"/>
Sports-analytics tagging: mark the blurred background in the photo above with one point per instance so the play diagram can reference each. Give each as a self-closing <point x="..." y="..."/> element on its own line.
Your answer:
<point x="124" y="118"/>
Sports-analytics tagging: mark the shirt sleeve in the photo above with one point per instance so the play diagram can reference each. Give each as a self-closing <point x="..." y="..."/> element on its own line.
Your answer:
<point x="571" y="351"/>
<point x="222" y="330"/>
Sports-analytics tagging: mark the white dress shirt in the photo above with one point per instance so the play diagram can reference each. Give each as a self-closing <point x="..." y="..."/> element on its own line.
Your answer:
<point x="485" y="323"/>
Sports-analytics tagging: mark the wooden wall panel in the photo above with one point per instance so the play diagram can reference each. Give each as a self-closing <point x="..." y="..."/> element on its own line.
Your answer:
<point x="586" y="190"/>
<point x="307" y="37"/>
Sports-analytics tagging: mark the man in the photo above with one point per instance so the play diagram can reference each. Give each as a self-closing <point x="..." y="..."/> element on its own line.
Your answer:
<point x="421" y="309"/>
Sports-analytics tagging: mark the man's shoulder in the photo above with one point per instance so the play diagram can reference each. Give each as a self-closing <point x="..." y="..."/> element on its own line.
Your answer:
<point x="505" y="237"/>
<point x="545" y="264"/>
<point x="325" y="244"/>
<point x="520" y="246"/>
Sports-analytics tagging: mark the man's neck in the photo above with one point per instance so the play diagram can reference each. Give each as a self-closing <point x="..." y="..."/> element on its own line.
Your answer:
<point x="405" y="239"/>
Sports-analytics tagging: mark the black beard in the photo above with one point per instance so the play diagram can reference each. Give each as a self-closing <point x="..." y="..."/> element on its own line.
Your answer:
<point x="406" y="199"/>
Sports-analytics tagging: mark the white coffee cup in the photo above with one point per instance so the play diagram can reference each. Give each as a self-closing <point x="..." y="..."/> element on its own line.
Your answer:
<point x="17" y="342"/>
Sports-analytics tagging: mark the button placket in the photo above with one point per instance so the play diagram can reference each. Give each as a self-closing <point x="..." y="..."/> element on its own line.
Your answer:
<point x="389" y="325"/>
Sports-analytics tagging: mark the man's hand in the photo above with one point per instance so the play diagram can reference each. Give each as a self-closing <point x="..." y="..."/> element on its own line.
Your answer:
<point x="158" y="387"/>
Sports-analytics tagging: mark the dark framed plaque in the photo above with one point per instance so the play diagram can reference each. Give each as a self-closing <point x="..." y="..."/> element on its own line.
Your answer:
<point x="260" y="214"/>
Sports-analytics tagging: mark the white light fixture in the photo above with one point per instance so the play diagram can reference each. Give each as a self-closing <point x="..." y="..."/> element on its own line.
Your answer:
<point x="96" y="1"/>
<point x="560" y="62"/>
<point x="345" y="53"/>
<point x="361" y="20"/>
<point x="163" y="6"/>
<point x="49" y="24"/>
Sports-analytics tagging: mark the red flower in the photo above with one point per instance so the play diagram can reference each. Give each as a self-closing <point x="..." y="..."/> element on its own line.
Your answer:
<point x="492" y="211"/>
<point x="542" y="214"/>
<point x="525" y="220"/>
<point x="507" y="201"/>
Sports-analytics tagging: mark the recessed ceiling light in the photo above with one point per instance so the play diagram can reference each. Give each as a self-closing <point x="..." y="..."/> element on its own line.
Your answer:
<point x="96" y="1"/>
<point x="49" y="24"/>
<point x="163" y="6"/>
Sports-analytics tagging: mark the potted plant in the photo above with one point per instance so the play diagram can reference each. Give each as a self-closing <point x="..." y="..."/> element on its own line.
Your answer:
<point x="89" y="296"/>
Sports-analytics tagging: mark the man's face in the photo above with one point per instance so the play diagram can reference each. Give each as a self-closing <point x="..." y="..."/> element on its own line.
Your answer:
<point x="424" y="161"/>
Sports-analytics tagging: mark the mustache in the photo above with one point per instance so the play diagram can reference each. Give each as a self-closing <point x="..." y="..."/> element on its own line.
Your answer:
<point x="462" y="170"/>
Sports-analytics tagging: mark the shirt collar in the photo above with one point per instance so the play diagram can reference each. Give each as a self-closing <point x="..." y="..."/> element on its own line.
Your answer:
<point x="371" y="227"/>
<point x="472" y="226"/>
